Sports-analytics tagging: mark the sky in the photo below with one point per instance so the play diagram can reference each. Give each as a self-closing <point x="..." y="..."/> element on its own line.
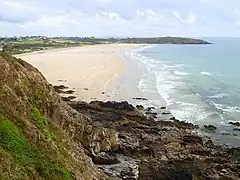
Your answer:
<point x="121" y="18"/>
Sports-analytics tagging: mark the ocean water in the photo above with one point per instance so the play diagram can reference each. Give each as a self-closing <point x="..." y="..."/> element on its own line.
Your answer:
<point x="198" y="83"/>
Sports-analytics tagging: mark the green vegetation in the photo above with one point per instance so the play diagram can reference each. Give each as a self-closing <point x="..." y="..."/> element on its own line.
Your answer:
<point x="164" y="40"/>
<point x="13" y="142"/>
<point x="40" y="93"/>
<point x="41" y="122"/>
<point x="151" y="40"/>
<point x="38" y="43"/>
<point x="30" y="44"/>
<point x="28" y="160"/>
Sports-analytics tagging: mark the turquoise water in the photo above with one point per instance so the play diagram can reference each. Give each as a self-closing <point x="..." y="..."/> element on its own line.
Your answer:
<point x="199" y="83"/>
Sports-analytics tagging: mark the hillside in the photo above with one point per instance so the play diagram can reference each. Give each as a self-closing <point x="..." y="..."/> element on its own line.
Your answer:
<point x="44" y="137"/>
<point x="41" y="137"/>
<point x="149" y="40"/>
<point x="164" y="40"/>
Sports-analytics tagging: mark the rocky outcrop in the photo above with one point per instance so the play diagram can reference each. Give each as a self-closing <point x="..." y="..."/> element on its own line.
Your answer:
<point x="210" y="128"/>
<point x="148" y="149"/>
<point x="235" y="123"/>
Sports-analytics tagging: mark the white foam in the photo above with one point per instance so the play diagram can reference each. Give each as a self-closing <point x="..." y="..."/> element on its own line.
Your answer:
<point x="189" y="112"/>
<point x="218" y="96"/>
<point x="230" y="109"/>
<point x="166" y="85"/>
<point x="144" y="47"/>
<point x="206" y="73"/>
<point x="181" y="73"/>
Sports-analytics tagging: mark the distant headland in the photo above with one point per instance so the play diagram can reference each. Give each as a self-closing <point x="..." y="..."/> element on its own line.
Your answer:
<point x="19" y="45"/>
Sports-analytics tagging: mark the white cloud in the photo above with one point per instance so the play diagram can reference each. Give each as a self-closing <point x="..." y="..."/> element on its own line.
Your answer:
<point x="17" y="5"/>
<point x="108" y="15"/>
<point x="147" y="14"/>
<point x="191" y="18"/>
<point x="125" y="18"/>
<point x="236" y="10"/>
<point x="205" y="1"/>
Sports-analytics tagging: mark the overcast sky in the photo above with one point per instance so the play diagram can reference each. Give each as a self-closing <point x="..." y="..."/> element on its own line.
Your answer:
<point x="193" y="18"/>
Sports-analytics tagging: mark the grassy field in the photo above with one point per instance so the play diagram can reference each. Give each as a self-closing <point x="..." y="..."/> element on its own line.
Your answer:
<point x="28" y="42"/>
<point x="29" y="45"/>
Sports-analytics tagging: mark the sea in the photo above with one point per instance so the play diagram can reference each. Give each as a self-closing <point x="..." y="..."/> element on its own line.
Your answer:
<point x="198" y="83"/>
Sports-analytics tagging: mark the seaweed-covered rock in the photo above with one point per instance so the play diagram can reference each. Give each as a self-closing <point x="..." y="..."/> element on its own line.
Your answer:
<point x="210" y="128"/>
<point x="140" y="107"/>
<point x="235" y="123"/>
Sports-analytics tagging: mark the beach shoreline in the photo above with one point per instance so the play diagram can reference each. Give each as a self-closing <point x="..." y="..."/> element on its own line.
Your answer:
<point x="92" y="72"/>
<point x="109" y="72"/>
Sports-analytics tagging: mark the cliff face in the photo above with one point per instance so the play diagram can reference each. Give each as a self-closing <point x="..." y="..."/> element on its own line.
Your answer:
<point x="43" y="137"/>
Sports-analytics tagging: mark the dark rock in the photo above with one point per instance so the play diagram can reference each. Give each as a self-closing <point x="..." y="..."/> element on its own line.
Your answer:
<point x="86" y="89"/>
<point x="140" y="107"/>
<point x="175" y="170"/>
<point x="172" y="118"/>
<point x="115" y="105"/>
<point x="143" y="99"/>
<point x="209" y="143"/>
<point x="60" y="80"/>
<point x="192" y="139"/>
<point x="235" y="123"/>
<point x="69" y="92"/>
<point x="65" y="99"/>
<point x="236" y="129"/>
<point x="235" y="152"/>
<point x="165" y="149"/>
<point x="226" y="134"/>
<point x="69" y="98"/>
<point x="105" y="159"/>
<point x="149" y="109"/>
<point x="166" y="113"/>
<point x="103" y="93"/>
<point x="184" y="125"/>
<point x="122" y="136"/>
<point x="79" y="105"/>
<point x="151" y="113"/>
<point x="60" y="88"/>
<point x="130" y="173"/>
<point x="163" y="107"/>
<point x="152" y="116"/>
<point x="210" y="128"/>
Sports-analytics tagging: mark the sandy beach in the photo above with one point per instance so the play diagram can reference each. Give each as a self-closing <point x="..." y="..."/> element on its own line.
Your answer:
<point x="88" y="70"/>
